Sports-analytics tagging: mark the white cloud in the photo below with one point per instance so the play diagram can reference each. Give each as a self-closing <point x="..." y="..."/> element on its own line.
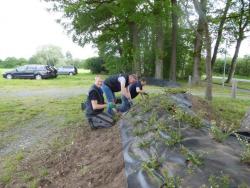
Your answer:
<point x="26" y="25"/>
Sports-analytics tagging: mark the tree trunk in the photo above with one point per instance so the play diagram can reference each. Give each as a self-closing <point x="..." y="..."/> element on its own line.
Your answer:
<point x="208" y="94"/>
<point x="159" y="52"/>
<point x="234" y="61"/>
<point x="136" y="67"/>
<point x="172" y="75"/>
<point x="199" y="7"/>
<point x="197" y="53"/>
<point x="222" y="21"/>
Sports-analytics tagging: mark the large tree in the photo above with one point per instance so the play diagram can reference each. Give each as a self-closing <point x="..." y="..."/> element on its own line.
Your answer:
<point x="222" y="21"/>
<point x="204" y="23"/>
<point x="172" y="74"/>
<point x="239" y="25"/>
<point x="48" y="54"/>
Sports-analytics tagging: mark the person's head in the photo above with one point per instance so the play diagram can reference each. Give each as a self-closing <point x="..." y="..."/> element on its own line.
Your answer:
<point x="98" y="81"/>
<point x="143" y="81"/>
<point x="132" y="78"/>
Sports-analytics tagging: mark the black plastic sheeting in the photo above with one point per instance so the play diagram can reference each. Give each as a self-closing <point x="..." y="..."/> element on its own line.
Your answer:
<point x="145" y="124"/>
<point x="161" y="82"/>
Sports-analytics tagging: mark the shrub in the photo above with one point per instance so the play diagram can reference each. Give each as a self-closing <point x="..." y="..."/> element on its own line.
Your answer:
<point x="242" y="67"/>
<point x="12" y="62"/>
<point x="116" y="65"/>
<point x="95" y="64"/>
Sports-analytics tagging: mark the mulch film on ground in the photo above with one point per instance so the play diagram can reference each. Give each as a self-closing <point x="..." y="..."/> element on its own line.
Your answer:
<point x="167" y="144"/>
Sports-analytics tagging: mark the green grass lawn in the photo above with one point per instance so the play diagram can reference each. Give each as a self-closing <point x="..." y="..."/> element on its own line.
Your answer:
<point x="231" y="111"/>
<point x="240" y="84"/>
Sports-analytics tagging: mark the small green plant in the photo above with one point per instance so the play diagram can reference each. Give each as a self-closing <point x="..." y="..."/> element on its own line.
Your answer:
<point x="139" y="131"/>
<point x="138" y="121"/>
<point x="144" y="144"/>
<point x="145" y="107"/>
<point x="170" y="182"/>
<point x="152" y="164"/>
<point x="193" y="121"/>
<point x="245" y="155"/>
<point x="33" y="184"/>
<point x="192" y="159"/>
<point x="175" y="138"/>
<point x="153" y="119"/>
<point x="222" y="181"/>
<point x="217" y="133"/>
<point x="168" y="105"/>
<point x="26" y="177"/>
<point x="43" y="172"/>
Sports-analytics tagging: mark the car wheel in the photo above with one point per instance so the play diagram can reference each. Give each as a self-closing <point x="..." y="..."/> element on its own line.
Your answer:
<point x="9" y="76"/>
<point x="38" y="77"/>
<point x="71" y="74"/>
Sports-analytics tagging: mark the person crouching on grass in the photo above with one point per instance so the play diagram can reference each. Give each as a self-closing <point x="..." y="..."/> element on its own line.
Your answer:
<point x="95" y="105"/>
<point x="134" y="89"/>
<point x="118" y="83"/>
<point x="137" y="88"/>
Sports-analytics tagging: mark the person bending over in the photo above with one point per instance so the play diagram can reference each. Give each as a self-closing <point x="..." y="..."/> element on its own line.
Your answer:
<point x="118" y="83"/>
<point x="137" y="88"/>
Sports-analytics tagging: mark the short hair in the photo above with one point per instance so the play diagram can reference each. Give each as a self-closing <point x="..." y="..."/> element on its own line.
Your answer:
<point x="134" y="76"/>
<point x="143" y="79"/>
<point x="98" y="76"/>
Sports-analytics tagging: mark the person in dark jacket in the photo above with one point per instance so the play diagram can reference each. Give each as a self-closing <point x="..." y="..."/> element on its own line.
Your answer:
<point x="137" y="88"/>
<point x="95" y="105"/>
<point x="119" y="83"/>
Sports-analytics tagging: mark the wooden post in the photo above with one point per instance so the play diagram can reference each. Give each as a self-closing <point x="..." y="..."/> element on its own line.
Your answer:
<point x="234" y="88"/>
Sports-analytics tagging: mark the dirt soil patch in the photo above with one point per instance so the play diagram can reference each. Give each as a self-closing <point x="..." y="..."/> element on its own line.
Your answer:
<point x="91" y="158"/>
<point x="203" y="108"/>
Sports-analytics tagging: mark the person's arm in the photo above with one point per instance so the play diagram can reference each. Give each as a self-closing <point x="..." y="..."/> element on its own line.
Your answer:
<point x="128" y="93"/>
<point x="97" y="106"/>
<point x="138" y="90"/>
<point x="124" y="90"/>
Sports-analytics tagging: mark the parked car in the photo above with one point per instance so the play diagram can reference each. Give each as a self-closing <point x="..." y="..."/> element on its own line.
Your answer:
<point x="68" y="70"/>
<point x="32" y="72"/>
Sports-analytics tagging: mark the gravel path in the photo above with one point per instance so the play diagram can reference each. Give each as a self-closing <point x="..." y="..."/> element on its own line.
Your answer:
<point x="39" y="127"/>
<point x="50" y="92"/>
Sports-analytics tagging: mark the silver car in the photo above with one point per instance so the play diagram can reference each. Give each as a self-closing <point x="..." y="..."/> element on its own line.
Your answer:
<point x="67" y="70"/>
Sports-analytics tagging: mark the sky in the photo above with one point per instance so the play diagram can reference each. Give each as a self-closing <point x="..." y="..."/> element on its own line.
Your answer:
<point x="25" y="25"/>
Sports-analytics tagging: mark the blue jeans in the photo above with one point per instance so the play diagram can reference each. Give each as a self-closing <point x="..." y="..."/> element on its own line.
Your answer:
<point x="126" y="105"/>
<point x="110" y="96"/>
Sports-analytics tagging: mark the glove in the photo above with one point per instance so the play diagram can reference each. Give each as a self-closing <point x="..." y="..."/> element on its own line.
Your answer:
<point x="111" y="105"/>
